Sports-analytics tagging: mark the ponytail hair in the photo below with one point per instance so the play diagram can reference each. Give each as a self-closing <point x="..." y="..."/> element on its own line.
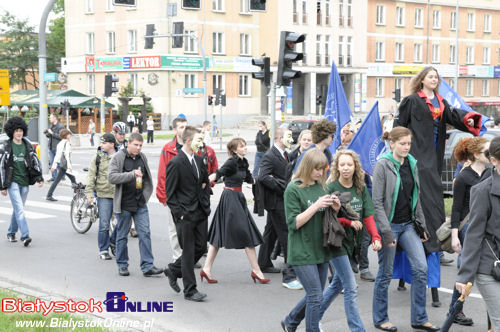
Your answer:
<point x="396" y="134"/>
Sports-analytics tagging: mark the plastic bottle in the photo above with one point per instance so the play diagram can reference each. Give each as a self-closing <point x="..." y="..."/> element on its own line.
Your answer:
<point x="138" y="181"/>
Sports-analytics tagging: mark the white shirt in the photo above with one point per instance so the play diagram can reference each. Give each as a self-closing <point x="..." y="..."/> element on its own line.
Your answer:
<point x="130" y="118"/>
<point x="281" y="151"/>
<point x="191" y="158"/>
<point x="150" y="124"/>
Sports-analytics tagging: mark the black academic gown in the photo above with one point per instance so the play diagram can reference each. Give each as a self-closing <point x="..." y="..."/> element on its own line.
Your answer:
<point x="414" y="113"/>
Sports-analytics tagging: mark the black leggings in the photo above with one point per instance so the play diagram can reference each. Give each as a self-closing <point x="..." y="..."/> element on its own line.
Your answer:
<point x="60" y="174"/>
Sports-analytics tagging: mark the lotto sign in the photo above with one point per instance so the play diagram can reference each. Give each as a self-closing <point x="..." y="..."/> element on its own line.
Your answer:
<point x="4" y="87"/>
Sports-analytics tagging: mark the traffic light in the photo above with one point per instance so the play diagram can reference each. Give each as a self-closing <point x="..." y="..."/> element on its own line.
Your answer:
<point x="178" y="30"/>
<point x="258" y="5"/>
<point x="110" y="84"/>
<point x="397" y="95"/>
<point x="210" y="100"/>
<point x="265" y="74"/>
<point x="65" y="105"/>
<point x="191" y="4"/>
<point x="129" y="3"/>
<point x="149" y="39"/>
<point x="287" y="56"/>
<point x="318" y="100"/>
<point x="217" y="99"/>
<point x="223" y="100"/>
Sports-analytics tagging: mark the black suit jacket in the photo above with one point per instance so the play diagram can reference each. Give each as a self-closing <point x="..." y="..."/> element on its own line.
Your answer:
<point x="185" y="195"/>
<point x="272" y="176"/>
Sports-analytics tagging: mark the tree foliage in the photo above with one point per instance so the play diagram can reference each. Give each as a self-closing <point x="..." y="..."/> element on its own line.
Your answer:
<point x="56" y="40"/>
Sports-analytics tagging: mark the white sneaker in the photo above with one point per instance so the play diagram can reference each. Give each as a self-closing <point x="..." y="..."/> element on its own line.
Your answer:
<point x="295" y="284"/>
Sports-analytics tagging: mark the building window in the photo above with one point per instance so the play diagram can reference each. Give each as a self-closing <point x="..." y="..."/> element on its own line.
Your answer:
<point x="487" y="23"/>
<point x="419" y="18"/>
<point x="190" y="43"/>
<point x="90" y="42"/>
<point x="349" y="13"/>
<point x="400" y="52"/>
<point x="91" y="84"/>
<point x="486" y="56"/>
<point x="380" y="51"/>
<point x="244" y="7"/>
<point x="304" y="12"/>
<point x="132" y="41"/>
<point x="89" y="6"/>
<point x="469" y="88"/>
<point x="341" y="51"/>
<point x="327" y="50"/>
<point x="471" y="22"/>
<point x="453" y="21"/>
<point x="244" y="86"/>
<point x="398" y="84"/>
<point x="218" y="5"/>
<point x="218" y="43"/>
<point x="348" y="61"/>
<point x="400" y="16"/>
<point x="134" y="82"/>
<point x="435" y="53"/>
<point x="380" y="15"/>
<point x="295" y="13"/>
<point x="190" y="82"/>
<point x="436" y="19"/>
<point x="453" y="50"/>
<point x="304" y="48"/>
<point x="319" y="18"/>
<point x="485" y="90"/>
<point x="469" y="55"/>
<point x="451" y="83"/>
<point x="327" y="12"/>
<point x="379" y="87"/>
<point x="110" y="42"/>
<point x="417" y="53"/>
<point x="318" y="50"/>
<point x="109" y="6"/>
<point x="245" y="46"/>
<point x="218" y="83"/>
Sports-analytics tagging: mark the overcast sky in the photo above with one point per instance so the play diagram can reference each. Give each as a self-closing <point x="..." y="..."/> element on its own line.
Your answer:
<point x="26" y="9"/>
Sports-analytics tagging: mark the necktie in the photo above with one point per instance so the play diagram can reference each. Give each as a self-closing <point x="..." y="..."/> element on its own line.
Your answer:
<point x="194" y="167"/>
<point x="286" y="156"/>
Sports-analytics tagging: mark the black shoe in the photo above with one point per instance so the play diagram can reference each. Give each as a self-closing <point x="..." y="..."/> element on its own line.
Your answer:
<point x="11" y="237"/>
<point x="285" y="328"/>
<point x="112" y="247"/>
<point x="52" y="199"/>
<point x="390" y="328"/>
<point x="367" y="276"/>
<point x="270" y="269"/>
<point x="461" y="319"/>
<point x="172" y="280"/>
<point x="436" y="304"/>
<point x="354" y="266"/>
<point x="401" y="288"/>
<point x="445" y="261"/>
<point x="50" y="180"/>
<point x="26" y="241"/>
<point x="123" y="271"/>
<point x="196" y="297"/>
<point x="105" y="256"/>
<point x="425" y="328"/>
<point x="153" y="271"/>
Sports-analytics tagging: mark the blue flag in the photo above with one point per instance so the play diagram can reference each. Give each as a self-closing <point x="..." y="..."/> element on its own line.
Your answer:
<point x="337" y="108"/>
<point x="454" y="100"/>
<point x="367" y="142"/>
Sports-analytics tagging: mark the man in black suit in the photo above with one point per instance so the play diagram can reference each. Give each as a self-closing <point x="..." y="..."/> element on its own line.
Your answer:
<point x="188" y="197"/>
<point x="273" y="181"/>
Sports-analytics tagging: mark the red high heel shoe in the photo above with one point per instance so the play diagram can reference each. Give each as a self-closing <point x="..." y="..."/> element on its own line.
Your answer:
<point x="204" y="275"/>
<point x="261" y="280"/>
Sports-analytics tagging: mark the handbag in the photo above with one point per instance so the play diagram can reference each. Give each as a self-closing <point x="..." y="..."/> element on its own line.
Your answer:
<point x="63" y="163"/>
<point x="443" y="234"/>
<point x="420" y="229"/>
<point x="495" y="270"/>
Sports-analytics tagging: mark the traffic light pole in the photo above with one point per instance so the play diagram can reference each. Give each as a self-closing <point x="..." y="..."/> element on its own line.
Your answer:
<point x="103" y="101"/>
<point x="272" y="103"/>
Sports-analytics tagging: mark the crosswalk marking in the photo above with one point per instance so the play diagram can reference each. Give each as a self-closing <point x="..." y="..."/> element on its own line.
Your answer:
<point x="47" y="205"/>
<point x="29" y="214"/>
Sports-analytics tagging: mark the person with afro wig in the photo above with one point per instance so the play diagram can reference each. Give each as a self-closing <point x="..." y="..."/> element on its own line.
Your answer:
<point x="19" y="168"/>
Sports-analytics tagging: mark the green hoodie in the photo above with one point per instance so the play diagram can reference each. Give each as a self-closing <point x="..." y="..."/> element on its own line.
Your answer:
<point x="397" y="166"/>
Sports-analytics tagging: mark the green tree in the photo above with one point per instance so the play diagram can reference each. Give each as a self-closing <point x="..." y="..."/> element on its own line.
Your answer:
<point x="56" y="40"/>
<point x="19" y="51"/>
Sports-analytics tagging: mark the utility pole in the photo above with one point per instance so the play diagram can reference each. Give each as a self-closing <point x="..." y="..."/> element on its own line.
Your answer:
<point x="42" y="68"/>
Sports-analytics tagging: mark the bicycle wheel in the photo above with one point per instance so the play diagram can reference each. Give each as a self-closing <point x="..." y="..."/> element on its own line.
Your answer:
<point x="81" y="214"/>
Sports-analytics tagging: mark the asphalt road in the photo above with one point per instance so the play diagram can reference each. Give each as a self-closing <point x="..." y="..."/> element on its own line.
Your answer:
<point x="61" y="263"/>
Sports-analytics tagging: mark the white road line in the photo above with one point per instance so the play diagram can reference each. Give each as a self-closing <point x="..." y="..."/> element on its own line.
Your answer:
<point x="450" y="291"/>
<point x="47" y="205"/>
<point x="64" y="198"/>
<point x="29" y="214"/>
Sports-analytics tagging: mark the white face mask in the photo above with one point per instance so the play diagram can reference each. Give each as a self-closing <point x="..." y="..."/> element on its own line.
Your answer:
<point x="197" y="142"/>
<point x="287" y="139"/>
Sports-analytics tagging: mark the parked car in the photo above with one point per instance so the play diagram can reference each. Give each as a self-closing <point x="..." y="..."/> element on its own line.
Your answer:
<point x="297" y="126"/>
<point x="450" y="163"/>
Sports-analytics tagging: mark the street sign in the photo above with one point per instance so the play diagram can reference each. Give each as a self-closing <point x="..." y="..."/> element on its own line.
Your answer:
<point x="50" y="77"/>
<point x="4" y="87"/>
<point x="192" y="90"/>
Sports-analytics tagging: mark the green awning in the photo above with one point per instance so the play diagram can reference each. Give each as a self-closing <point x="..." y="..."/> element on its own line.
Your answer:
<point x="55" y="98"/>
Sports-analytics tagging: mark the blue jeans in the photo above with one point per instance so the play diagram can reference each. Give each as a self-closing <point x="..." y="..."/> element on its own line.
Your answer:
<point x="141" y="219"/>
<point x="410" y="242"/>
<point x="343" y="279"/>
<point x="461" y="237"/>
<point x="52" y="155"/>
<point x="256" y="164"/>
<point x="313" y="279"/>
<point x="18" y="195"/>
<point x="105" y="208"/>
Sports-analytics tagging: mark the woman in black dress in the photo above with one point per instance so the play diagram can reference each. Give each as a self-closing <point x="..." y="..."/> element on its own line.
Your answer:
<point x="233" y="226"/>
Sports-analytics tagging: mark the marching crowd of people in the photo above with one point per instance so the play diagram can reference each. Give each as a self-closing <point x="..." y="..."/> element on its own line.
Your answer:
<point x="323" y="209"/>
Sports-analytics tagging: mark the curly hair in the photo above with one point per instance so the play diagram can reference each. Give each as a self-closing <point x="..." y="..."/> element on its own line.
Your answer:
<point x="15" y="123"/>
<point x="358" y="178"/>
<point x="416" y="81"/>
<point x="322" y="129"/>
<point x="467" y="147"/>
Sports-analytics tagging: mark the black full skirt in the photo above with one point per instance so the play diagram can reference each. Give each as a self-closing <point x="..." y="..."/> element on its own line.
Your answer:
<point x="233" y="226"/>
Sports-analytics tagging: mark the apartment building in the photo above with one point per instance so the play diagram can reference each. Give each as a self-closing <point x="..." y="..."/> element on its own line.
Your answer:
<point x="404" y="36"/>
